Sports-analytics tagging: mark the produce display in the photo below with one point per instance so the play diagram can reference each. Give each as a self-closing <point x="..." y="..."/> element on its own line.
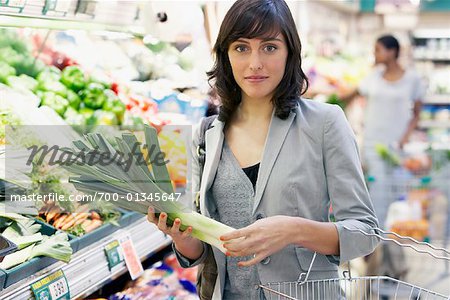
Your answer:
<point x="79" y="222"/>
<point x="16" y="57"/>
<point x="163" y="280"/>
<point x="337" y="74"/>
<point x="25" y="233"/>
<point x="79" y="99"/>
<point x="74" y="95"/>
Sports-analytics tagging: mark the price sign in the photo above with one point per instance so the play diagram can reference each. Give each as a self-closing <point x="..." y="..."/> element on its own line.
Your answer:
<point x="114" y="254"/>
<point x="52" y="287"/>
<point x="56" y="6"/>
<point x="132" y="260"/>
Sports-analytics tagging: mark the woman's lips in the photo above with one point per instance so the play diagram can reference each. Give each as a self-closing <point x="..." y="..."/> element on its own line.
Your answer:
<point x="255" y="79"/>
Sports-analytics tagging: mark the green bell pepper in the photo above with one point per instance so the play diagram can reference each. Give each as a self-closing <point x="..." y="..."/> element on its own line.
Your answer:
<point x="93" y="96"/>
<point x="115" y="105"/>
<point x="49" y="81"/>
<point x="49" y="74"/>
<point x="58" y="103"/>
<point x="86" y="112"/>
<point x="73" y="78"/>
<point x="6" y="71"/>
<point x="74" y="99"/>
<point x="53" y="86"/>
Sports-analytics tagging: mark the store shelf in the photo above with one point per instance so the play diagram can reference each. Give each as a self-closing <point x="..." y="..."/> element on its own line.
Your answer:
<point x="434" y="124"/>
<point x="434" y="59"/>
<point x="437" y="99"/>
<point x="434" y="33"/>
<point x="88" y="270"/>
<point x="56" y="23"/>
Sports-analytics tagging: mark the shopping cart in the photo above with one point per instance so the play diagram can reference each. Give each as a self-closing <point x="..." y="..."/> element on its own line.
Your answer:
<point x="356" y="288"/>
<point x="420" y="177"/>
<point x="420" y="180"/>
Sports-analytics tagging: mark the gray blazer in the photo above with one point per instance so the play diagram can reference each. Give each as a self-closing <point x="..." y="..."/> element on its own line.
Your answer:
<point x="310" y="162"/>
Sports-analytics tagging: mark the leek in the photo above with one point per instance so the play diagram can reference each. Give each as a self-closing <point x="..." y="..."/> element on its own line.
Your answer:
<point x="130" y="177"/>
<point x="56" y="246"/>
<point x="16" y="258"/>
<point x="22" y="228"/>
<point x="25" y="241"/>
<point x="23" y="235"/>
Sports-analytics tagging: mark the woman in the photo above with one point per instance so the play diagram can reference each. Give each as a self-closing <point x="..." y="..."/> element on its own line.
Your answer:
<point x="393" y="97"/>
<point x="274" y="164"/>
<point x="391" y="92"/>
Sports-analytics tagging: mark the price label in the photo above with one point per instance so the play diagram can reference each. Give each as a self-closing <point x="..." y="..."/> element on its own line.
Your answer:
<point x="51" y="4"/>
<point x="114" y="254"/>
<point x="132" y="260"/>
<point x="52" y="287"/>
<point x="58" y="288"/>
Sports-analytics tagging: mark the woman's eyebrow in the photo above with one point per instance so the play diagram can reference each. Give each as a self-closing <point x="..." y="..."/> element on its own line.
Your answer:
<point x="268" y="39"/>
<point x="271" y="39"/>
<point x="241" y="41"/>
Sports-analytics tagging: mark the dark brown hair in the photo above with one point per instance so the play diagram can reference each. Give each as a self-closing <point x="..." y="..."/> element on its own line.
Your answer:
<point x="391" y="43"/>
<point x="258" y="19"/>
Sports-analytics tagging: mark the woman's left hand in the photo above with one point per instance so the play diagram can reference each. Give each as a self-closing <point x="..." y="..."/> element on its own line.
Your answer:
<point x="260" y="239"/>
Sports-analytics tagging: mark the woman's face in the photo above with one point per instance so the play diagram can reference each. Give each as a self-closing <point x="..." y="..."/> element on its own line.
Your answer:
<point x="258" y="65"/>
<point x="383" y="54"/>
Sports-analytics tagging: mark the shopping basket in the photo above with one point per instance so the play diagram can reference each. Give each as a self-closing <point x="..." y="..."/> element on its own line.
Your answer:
<point x="357" y="288"/>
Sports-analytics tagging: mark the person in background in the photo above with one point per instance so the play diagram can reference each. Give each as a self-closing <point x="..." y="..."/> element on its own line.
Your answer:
<point x="394" y="96"/>
<point x="394" y="100"/>
<point x="275" y="162"/>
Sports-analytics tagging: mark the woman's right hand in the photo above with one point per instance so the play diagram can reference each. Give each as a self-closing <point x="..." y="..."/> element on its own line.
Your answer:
<point x="184" y="242"/>
<point x="174" y="231"/>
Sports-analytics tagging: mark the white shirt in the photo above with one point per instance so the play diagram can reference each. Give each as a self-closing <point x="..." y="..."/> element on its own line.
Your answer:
<point x="389" y="105"/>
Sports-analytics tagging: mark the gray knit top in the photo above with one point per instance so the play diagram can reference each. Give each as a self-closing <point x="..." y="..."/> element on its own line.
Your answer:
<point x="233" y="194"/>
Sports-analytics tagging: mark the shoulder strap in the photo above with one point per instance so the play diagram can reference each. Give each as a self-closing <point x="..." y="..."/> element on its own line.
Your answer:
<point x="201" y="148"/>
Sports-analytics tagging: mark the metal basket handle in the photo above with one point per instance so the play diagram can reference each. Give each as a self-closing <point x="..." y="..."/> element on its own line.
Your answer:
<point x="347" y="274"/>
<point x="447" y="258"/>
<point x="304" y="276"/>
